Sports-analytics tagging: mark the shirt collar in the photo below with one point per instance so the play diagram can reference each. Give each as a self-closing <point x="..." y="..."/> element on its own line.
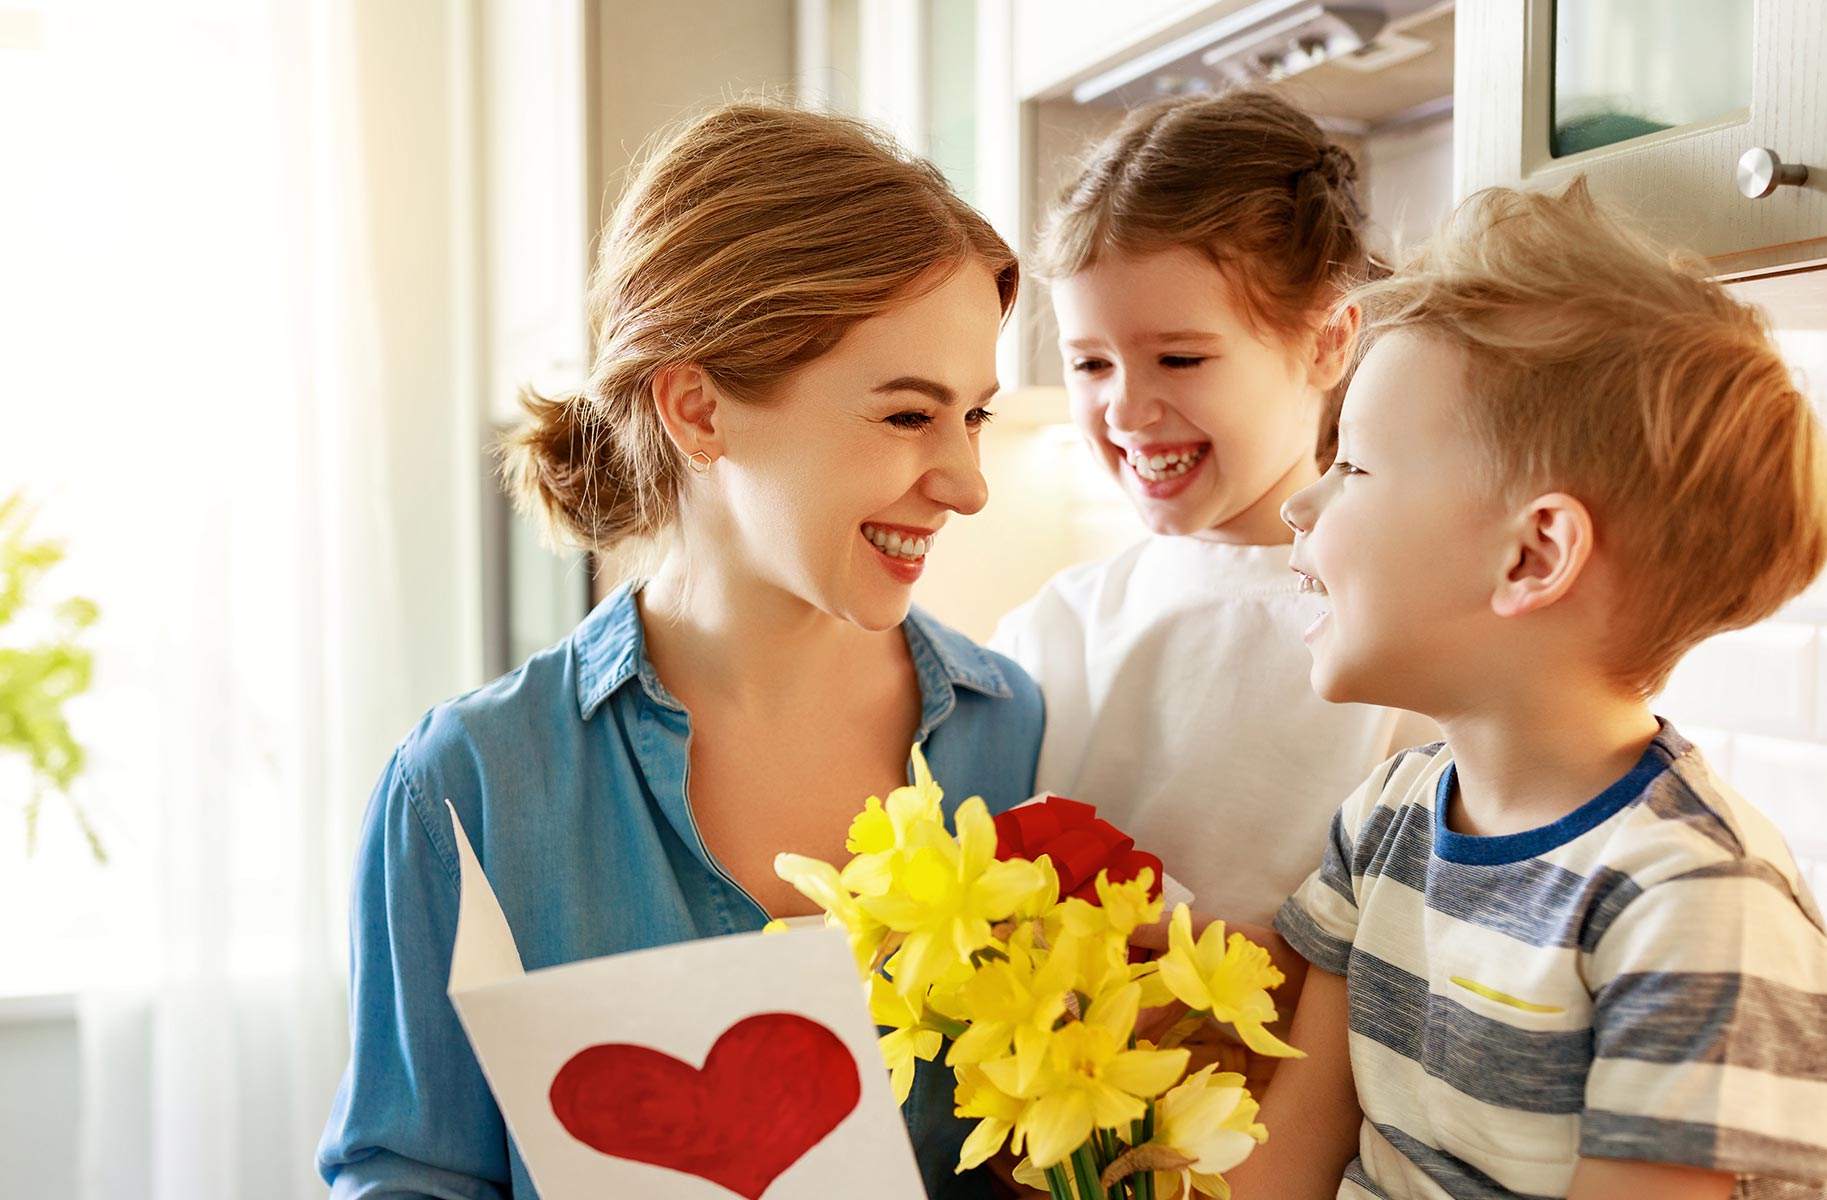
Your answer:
<point x="610" y="651"/>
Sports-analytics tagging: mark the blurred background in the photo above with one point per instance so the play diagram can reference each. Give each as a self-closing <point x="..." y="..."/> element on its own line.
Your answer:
<point x="271" y="272"/>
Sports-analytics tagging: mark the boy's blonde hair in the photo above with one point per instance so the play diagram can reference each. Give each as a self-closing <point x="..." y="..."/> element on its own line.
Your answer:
<point x="749" y="244"/>
<point x="1601" y="365"/>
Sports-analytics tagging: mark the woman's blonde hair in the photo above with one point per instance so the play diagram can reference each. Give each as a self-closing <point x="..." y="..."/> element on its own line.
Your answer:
<point x="1243" y="178"/>
<point x="749" y="244"/>
<point x="1599" y="364"/>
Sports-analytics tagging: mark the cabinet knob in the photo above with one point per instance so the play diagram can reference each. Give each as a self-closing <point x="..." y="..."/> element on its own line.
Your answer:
<point x="1761" y="172"/>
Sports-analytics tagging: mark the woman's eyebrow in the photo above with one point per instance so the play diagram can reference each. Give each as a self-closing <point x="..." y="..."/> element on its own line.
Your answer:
<point x="931" y="388"/>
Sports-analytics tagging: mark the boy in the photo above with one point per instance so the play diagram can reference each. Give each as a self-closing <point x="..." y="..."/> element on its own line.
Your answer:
<point x="1556" y="954"/>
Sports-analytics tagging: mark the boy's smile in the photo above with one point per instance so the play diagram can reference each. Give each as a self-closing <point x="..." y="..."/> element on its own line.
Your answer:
<point x="1401" y="537"/>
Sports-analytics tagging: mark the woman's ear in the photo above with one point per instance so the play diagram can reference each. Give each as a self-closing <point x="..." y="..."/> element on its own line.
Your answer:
<point x="1553" y="544"/>
<point x="686" y="401"/>
<point x="1332" y="348"/>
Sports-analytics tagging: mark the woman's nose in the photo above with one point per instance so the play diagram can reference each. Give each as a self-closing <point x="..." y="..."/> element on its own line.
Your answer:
<point x="957" y="481"/>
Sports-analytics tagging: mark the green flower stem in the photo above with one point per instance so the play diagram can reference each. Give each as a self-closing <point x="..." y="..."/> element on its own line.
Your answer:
<point x="1057" y="1183"/>
<point x="952" y="1030"/>
<point x="1107" y="1143"/>
<point x="1184" y="1028"/>
<point x="1145" y="1131"/>
<point x="1084" y="1168"/>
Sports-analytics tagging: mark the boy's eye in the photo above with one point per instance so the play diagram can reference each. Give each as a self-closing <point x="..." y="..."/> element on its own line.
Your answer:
<point x="1089" y="365"/>
<point x="1346" y="468"/>
<point x="1181" y="361"/>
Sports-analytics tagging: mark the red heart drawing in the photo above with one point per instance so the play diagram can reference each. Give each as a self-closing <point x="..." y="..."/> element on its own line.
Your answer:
<point x="771" y="1089"/>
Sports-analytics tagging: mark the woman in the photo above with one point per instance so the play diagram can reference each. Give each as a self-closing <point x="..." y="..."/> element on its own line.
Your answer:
<point x="796" y="330"/>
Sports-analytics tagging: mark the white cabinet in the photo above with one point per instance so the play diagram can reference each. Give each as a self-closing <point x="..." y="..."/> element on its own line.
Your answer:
<point x="1698" y="82"/>
<point x="1059" y="41"/>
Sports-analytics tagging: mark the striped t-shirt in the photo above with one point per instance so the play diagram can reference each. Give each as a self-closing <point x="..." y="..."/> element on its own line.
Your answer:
<point x="1645" y="979"/>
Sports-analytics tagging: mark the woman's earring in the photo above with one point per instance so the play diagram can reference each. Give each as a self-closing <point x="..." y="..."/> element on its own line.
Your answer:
<point x="699" y="462"/>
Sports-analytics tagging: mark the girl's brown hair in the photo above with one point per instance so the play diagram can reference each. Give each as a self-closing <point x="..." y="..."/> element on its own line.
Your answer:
<point x="748" y="244"/>
<point x="1245" y="179"/>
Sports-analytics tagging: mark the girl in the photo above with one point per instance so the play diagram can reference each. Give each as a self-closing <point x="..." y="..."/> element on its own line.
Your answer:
<point x="797" y="407"/>
<point x="1194" y="262"/>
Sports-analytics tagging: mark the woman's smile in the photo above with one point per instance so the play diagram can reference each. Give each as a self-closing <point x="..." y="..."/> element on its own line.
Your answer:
<point x="901" y="549"/>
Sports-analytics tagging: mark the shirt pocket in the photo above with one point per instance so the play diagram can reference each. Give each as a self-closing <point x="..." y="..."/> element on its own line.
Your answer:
<point x="1507" y="1058"/>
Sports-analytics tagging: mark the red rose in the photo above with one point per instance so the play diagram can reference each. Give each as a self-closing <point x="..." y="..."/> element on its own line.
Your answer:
<point x="1079" y="842"/>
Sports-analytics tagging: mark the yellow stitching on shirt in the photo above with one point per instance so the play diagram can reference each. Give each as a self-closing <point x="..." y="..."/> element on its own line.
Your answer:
<point x="1490" y="993"/>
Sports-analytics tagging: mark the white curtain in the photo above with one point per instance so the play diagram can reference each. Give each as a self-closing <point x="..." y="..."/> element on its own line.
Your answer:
<point x="236" y="244"/>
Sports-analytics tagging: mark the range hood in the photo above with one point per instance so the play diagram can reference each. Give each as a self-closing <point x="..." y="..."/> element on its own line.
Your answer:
<point x="1272" y="41"/>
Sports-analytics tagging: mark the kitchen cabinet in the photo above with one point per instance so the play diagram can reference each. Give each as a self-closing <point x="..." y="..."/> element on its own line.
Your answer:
<point x="1656" y="104"/>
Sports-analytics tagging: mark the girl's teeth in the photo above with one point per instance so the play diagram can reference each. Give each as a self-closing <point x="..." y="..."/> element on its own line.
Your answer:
<point x="1309" y="584"/>
<point x="893" y="544"/>
<point x="1158" y="467"/>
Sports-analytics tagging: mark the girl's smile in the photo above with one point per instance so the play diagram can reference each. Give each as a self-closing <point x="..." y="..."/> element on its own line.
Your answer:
<point x="1163" y="471"/>
<point x="1206" y="421"/>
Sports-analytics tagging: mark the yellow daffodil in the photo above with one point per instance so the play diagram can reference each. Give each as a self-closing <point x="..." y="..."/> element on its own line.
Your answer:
<point x="910" y="1035"/>
<point x="1043" y="899"/>
<point x="1210" y="1119"/>
<point x="1096" y="938"/>
<point x="1126" y="906"/>
<point x="1099" y="959"/>
<point x="997" y="1114"/>
<point x="1230" y="980"/>
<point x="1013" y="1001"/>
<point x="1091" y="1079"/>
<point x="946" y="894"/>
<point x="1029" y="1175"/>
<point x="818" y="882"/>
<point x="883" y="832"/>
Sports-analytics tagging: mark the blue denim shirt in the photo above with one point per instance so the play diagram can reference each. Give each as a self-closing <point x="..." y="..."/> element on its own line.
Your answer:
<point x="569" y="776"/>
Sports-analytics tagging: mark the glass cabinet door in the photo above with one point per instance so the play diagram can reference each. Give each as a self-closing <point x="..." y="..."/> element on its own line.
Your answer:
<point x="1706" y="119"/>
<point x="1627" y="68"/>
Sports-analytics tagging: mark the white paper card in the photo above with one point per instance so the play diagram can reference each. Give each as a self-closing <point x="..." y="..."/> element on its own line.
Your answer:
<point x="734" y="1066"/>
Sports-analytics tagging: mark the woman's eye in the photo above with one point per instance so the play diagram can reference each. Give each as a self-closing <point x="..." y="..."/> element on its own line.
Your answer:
<point x="910" y="420"/>
<point x="1181" y="361"/>
<point x="1089" y="365"/>
<point x="1346" y="468"/>
<point x="977" y="418"/>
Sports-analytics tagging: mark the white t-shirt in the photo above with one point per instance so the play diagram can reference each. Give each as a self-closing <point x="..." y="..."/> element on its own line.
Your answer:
<point x="1178" y="703"/>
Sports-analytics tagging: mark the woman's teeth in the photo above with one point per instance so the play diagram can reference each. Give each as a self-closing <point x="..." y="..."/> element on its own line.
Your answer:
<point x="1158" y="467"/>
<point x="1309" y="584"/>
<point x="896" y="545"/>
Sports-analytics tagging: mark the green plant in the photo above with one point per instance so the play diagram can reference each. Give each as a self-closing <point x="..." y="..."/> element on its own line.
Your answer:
<point x="37" y="678"/>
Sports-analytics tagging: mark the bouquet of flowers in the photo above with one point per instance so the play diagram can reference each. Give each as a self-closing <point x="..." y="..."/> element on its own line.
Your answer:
<point x="1019" y="958"/>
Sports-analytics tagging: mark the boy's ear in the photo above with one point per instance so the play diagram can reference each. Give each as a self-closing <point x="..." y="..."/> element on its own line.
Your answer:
<point x="686" y="401"/>
<point x="1553" y="544"/>
<point x="1332" y="348"/>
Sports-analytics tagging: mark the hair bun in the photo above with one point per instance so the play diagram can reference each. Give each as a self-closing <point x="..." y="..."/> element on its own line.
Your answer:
<point x="1336" y="165"/>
